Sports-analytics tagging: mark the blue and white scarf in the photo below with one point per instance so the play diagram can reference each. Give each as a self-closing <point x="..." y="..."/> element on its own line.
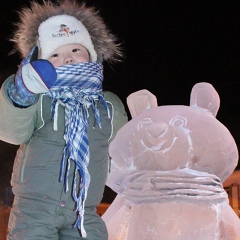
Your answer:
<point x="78" y="88"/>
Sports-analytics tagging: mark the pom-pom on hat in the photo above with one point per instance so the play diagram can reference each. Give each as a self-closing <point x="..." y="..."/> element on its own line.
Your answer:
<point x="60" y="30"/>
<point x="27" y="33"/>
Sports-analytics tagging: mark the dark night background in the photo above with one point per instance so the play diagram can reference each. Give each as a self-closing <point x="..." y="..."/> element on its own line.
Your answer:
<point x="169" y="46"/>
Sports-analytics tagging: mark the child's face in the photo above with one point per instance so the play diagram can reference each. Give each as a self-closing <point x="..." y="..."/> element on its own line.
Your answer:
<point x="69" y="54"/>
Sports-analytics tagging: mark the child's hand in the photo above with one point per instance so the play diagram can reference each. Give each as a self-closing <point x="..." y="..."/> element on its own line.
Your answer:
<point x="38" y="76"/>
<point x="35" y="75"/>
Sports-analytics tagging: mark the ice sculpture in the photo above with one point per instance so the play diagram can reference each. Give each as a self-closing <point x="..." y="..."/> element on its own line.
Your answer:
<point x="168" y="165"/>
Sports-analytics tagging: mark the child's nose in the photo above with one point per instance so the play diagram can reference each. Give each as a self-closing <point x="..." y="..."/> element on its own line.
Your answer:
<point x="68" y="60"/>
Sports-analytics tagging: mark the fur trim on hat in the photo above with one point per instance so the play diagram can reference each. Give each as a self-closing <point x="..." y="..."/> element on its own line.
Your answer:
<point x="26" y="35"/>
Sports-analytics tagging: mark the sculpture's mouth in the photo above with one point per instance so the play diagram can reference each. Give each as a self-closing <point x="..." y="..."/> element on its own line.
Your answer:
<point x="158" y="137"/>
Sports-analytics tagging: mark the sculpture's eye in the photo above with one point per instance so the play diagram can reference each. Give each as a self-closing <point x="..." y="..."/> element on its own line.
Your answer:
<point x="145" y="122"/>
<point x="178" y="121"/>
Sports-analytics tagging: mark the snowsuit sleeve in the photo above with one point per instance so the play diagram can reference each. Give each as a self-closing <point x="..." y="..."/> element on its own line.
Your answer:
<point x="16" y="124"/>
<point x="119" y="115"/>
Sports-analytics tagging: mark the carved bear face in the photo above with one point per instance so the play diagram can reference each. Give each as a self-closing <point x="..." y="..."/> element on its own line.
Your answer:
<point x="164" y="138"/>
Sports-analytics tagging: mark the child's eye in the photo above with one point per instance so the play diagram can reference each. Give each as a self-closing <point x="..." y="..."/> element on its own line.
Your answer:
<point x="55" y="55"/>
<point x="75" y="50"/>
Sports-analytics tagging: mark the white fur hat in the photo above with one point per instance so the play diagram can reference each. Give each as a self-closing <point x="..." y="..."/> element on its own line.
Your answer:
<point x="38" y="19"/>
<point x="60" y="30"/>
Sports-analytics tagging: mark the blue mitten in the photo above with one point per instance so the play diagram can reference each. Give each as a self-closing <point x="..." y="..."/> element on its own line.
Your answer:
<point x="32" y="77"/>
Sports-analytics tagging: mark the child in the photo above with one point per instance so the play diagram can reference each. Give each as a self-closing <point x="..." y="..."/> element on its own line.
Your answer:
<point x="54" y="107"/>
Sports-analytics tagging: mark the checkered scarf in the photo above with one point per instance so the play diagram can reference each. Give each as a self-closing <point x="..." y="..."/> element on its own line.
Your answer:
<point x="78" y="87"/>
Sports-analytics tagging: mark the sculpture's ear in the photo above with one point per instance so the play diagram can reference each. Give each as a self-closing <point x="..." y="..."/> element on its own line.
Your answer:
<point x="140" y="101"/>
<point x="205" y="96"/>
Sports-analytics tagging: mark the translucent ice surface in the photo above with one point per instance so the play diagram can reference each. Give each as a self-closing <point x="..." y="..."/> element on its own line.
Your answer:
<point x="168" y="165"/>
